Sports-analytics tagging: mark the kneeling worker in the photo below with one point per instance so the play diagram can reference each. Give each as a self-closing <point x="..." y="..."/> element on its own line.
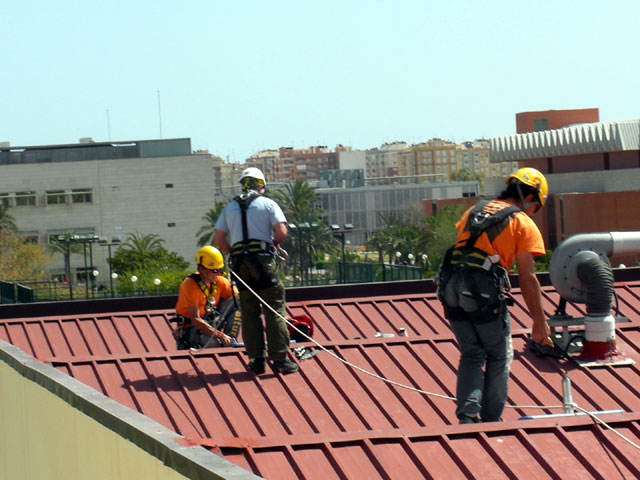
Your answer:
<point x="206" y="308"/>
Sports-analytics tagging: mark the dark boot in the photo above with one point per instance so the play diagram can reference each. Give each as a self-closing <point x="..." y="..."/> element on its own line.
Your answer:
<point x="464" y="419"/>
<point x="257" y="365"/>
<point x="284" y="367"/>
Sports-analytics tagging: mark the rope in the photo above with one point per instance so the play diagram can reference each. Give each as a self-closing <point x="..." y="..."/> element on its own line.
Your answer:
<point x="413" y="389"/>
<point x="607" y="426"/>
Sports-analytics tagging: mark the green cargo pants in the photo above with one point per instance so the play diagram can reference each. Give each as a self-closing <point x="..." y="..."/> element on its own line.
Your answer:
<point x="260" y="273"/>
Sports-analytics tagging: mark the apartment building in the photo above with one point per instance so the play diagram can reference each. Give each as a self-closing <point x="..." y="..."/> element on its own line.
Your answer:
<point x="304" y="164"/>
<point x="475" y="158"/>
<point x="383" y="161"/>
<point x="431" y="161"/>
<point x="268" y="162"/>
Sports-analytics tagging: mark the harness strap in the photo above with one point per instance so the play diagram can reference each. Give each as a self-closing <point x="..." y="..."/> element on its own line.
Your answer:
<point x="464" y="256"/>
<point x="210" y="292"/>
<point x="244" y="200"/>
<point x="251" y="246"/>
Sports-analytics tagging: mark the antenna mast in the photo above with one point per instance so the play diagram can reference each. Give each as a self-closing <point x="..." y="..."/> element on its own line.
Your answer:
<point x="159" y="115"/>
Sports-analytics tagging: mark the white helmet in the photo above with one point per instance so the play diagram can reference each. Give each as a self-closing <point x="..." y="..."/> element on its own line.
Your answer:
<point x="252" y="178"/>
<point x="252" y="172"/>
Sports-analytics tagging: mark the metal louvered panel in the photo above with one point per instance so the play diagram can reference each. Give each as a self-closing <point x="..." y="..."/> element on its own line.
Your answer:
<point x="573" y="140"/>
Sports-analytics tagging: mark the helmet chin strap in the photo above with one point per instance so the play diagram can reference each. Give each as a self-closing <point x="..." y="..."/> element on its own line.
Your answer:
<point x="525" y="205"/>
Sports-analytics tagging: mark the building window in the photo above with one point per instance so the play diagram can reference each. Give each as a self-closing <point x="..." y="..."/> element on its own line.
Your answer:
<point x="115" y="188"/>
<point x="171" y="224"/>
<point x="168" y="185"/>
<point x="56" y="197"/>
<point x="540" y="124"/>
<point x="30" y="237"/>
<point x="82" y="195"/>
<point x="5" y="201"/>
<point x="25" y="199"/>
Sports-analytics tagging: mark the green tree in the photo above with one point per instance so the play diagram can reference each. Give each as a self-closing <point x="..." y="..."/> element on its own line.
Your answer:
<point x="145" y="257"/>
<point x="298" y="201"/>
<point x="440" y="232"/>
<point x="306" y="244"/>
<point x="465" y="175"/>
<point x="206" y="234"/>
<point x="7" y="222"/>
<point x="400" y="234"/>
<point x="20" y="260"/>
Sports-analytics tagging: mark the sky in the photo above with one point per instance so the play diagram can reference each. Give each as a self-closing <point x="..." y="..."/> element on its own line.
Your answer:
<point x="237" y="77"/>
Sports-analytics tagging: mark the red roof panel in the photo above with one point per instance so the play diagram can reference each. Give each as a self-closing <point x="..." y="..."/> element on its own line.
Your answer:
<point x="332" y="420"/>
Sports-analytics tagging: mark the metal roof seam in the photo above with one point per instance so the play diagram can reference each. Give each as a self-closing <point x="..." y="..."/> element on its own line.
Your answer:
<point x="483" y="439"/>
<point x="178" y="379"/>
<point x="321" y="399"/>
<point x="604" y="424"/>
<point x="347" y="397"/>
<point x="218" y="406"/>
<point x="297" y="402"/>
<point x="160" y="394"/>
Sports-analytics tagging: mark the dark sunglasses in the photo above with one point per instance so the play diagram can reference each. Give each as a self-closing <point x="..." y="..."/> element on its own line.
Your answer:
<point x="214" y="270"/>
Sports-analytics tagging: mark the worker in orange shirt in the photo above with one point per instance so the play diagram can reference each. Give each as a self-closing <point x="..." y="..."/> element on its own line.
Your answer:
<point x="207" y="311"/>
<point x="473" y="283"/>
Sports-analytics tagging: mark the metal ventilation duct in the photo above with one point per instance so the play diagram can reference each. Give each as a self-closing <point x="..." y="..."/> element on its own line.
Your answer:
<point x="578" y="249"/>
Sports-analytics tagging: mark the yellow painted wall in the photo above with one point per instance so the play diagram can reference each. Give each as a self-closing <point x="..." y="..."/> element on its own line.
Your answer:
<point x="43" y="437"/>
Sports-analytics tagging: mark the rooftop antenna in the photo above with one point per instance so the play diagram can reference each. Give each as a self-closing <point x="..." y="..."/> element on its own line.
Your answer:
<point x="108" y="126"/>
<point x="159" y="115"/>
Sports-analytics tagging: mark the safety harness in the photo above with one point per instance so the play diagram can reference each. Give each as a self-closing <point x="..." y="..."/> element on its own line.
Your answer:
<point x="209" y="293"/>
<point x="248" y="245"/>
<point x="465" y="259"/>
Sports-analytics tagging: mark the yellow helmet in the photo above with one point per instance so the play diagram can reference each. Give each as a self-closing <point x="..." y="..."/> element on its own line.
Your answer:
<point x="209" y="257"/>
<point x="533" y="178"/>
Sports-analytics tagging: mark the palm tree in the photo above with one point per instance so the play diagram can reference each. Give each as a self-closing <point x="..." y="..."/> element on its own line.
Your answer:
<point x="207" y="231"/>
<point x="142" y="244"/>
<point x="7" y="222"/>
<point x="62" y="244"/>
<point x="298" y="201"/>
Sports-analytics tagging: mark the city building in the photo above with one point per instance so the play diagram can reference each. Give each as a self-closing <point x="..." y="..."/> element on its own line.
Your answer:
<point x="383" y="160"/>
<point x="267" y="162"/>
<point x="475" y="158"/>
<point x="593" y="170"/>
<point x="305" y="164"/>
<point x="107" y="190"/>
<point x="554" y="119"/>
<point x="366" y="208"/>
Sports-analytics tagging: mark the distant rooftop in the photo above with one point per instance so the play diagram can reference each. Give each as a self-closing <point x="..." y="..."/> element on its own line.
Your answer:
<point x="88" y="150"/>
<point x="572" y="140"/>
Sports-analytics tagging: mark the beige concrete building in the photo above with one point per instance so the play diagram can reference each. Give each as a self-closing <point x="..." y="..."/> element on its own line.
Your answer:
<point x="109" y="190"/>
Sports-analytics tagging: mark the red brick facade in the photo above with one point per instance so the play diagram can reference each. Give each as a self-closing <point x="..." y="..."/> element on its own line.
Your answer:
<point x="526" y="121"/>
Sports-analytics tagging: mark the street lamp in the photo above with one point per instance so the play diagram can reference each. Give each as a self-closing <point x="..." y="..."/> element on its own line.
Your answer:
<point x="412" y="259"/>
<point x="115" y="240"/>
<point x="134" y="279"/>
<point x="341" y="231"/>
<point x="294" y="227"/>
<point x="398" y="256"/>
<point x="425" y="261"/>
<point x="94" y="275"/>
<point x="157" y="282"/>
<point x="86" y="239"/>
<point x="67" y="267"/>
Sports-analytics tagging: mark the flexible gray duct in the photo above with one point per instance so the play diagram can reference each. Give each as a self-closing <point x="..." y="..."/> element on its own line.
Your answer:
<point x="598" y="279"/>
<point x="584" y="248"/>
